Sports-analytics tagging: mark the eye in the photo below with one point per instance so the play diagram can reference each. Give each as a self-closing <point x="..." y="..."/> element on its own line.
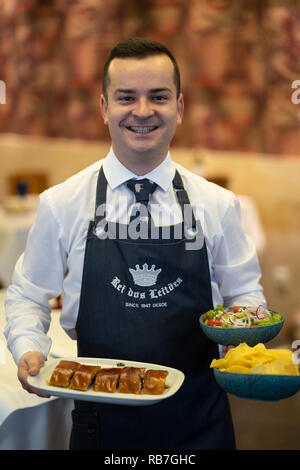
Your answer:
<point x="126" y="99"/>
<point x="159" y="98"/>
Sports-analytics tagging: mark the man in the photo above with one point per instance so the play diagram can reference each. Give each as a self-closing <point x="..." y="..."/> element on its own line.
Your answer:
<point x="116" y="300"/>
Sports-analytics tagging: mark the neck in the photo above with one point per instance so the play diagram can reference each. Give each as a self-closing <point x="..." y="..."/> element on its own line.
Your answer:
<point x="140" y="164"/>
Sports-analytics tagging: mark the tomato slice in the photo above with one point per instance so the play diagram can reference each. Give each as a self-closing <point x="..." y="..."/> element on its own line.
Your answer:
<point x="214" y="322"/>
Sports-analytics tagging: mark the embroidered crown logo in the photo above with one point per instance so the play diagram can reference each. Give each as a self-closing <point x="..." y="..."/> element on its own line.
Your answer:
<point x="144" y="277"/>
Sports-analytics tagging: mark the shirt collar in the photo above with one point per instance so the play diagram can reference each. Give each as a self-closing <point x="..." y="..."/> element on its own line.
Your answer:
<point x="116" y="173"/>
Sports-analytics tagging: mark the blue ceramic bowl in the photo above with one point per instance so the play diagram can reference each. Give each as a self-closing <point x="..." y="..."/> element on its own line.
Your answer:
<point x="235" y="336"/>
<point x="262" y="387"/>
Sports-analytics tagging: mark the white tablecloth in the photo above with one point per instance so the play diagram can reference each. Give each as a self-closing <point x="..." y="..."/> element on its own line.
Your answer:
<point x="14" y="229"/>
<point x="26" y="420"/>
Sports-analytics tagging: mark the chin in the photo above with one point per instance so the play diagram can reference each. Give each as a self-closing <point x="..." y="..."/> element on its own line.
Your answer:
<point x="143" y="148"/>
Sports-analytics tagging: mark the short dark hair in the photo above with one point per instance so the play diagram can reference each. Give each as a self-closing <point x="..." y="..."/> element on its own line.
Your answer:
<point x="138" y="48"/>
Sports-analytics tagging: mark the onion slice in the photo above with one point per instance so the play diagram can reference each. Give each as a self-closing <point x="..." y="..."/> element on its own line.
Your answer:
<point x="241" y="322"/>
<point x="262" y="313"/>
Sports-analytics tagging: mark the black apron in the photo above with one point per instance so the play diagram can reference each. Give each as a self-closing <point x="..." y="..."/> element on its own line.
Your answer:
<point x="156" y="322"/>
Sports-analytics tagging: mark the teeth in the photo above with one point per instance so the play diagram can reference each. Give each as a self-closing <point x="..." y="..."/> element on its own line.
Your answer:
<point x="142" y="130"/>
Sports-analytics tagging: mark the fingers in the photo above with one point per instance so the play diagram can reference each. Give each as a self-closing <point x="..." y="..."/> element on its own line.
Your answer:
<point x="225" y="349"/>
<point x="30" y="364"/>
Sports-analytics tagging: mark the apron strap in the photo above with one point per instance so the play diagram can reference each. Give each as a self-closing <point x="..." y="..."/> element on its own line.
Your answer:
<point x="178" y="186"/>
<point x="100" y="195"/>
<point x="183" y="199"/>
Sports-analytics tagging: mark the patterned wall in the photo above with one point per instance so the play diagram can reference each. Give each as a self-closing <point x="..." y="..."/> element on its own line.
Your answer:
<point x="238" y="60"/>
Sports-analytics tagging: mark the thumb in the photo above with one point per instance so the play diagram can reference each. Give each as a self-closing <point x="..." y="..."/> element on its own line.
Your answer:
<point x="34" y="363"/>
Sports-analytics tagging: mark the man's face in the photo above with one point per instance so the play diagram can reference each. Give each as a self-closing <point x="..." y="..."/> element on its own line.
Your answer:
<point x="142" y="110"/>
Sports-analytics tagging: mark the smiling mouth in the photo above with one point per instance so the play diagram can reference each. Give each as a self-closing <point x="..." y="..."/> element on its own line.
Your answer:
<point x="142" y="129"/>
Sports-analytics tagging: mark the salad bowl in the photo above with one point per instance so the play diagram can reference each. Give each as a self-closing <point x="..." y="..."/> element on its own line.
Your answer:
<point x="236" y="329"/>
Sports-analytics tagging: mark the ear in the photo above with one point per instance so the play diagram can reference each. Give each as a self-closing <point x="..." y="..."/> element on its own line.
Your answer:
<point x="103" y="108"/>
<point x="180" y="108"/>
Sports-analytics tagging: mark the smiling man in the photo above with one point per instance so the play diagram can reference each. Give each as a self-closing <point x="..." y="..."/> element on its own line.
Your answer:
<point x="134" y="298"/>
<point x="142" y="108"/>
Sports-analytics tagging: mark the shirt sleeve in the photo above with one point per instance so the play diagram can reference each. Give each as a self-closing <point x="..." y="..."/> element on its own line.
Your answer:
<point x="27" y="309"/>
<point x="235" y="263"/>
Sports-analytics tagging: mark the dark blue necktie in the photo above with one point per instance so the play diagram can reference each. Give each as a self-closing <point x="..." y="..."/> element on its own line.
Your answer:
<point x="142" y="189"/>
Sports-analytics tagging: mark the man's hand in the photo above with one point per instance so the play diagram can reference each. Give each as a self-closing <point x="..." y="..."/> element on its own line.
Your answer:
<point x="30" y="364"/>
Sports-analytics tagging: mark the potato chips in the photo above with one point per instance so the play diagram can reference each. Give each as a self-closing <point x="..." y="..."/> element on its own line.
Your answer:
<point x="257" y="360"/>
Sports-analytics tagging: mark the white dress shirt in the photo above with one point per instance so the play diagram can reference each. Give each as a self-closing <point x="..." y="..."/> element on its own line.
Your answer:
<point x="53" y="259"/>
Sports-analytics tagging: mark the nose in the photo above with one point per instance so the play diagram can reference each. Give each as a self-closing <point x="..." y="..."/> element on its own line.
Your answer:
<point x="142" y="108"/>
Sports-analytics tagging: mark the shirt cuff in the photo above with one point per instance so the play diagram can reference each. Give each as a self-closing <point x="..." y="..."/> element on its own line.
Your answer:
<point x="24" y="345"/>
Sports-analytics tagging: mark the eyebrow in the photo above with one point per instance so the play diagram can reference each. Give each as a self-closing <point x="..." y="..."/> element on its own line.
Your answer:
<point x="152" y="90"/>
<point x="159" y="90"/>
<point x="124" y="90"/>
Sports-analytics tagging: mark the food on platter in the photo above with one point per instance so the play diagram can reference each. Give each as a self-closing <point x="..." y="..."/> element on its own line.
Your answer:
<point x="131" y="379"/>
<point x="154" y="381"/>
<point x="107" y="380"/>
<point x="241" y="317"/>
<point x="244" y="359"/>
<point x="137" y="380"/>
<point x="83" y="376"/>
<point x="62" y="374"/>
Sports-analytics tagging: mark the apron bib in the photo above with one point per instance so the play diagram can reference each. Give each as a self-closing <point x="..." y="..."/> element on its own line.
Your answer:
<point x="141" y="300"/>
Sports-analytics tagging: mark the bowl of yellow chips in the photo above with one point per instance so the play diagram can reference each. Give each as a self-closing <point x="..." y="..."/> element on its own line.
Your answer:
<point x="235" y="325"/>
<point x="257" y="373"/>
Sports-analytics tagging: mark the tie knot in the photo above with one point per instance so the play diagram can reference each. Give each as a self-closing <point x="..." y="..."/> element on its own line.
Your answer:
<point x="142" y="189"/>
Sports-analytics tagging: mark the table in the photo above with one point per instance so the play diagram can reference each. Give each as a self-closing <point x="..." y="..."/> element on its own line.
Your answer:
<point x="14" y="229"/>
<point x="28" y="422"/>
